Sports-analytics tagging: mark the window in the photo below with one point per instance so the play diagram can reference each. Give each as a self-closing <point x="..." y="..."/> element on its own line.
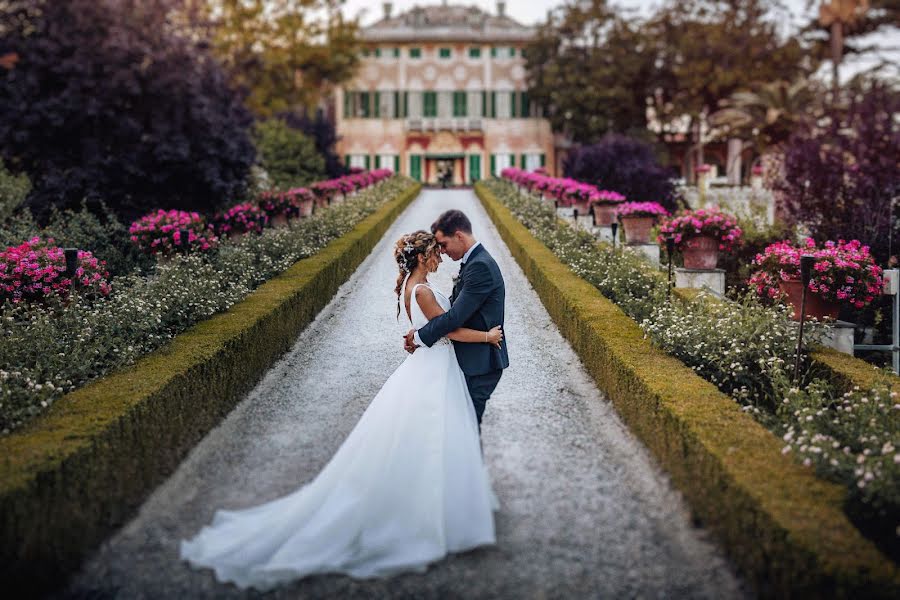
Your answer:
<point x="500" y="162"/>
<point x="474" y="52"/>
<point x="503" y="52"/>
<point x="387" y="161"/>
<point x="429" y="104"/>
<point x="366" y="52"/>
<point x="503" y="105"/>
<point x="474" y="104"/>
<point x="358" y="160"/>
<point x="415" y="53"/>
<point x="459" y="104"/>
<point x="415" y="104"/>
<point x="532" y="161"/>
<point x="363" y="109"/>
<point x="445" y="105"/>
<point x="386" y="106"/>
<point x="444" y="52"/>
<point x="396" y="52"/>
<point x="377" y="52"/>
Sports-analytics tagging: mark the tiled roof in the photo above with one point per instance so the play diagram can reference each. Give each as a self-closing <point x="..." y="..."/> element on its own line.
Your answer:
<point x="447" y="22"/>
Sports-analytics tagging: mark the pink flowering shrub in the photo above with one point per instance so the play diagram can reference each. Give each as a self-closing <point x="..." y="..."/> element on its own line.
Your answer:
<point x="242" y="218"/>
<point x="844" y="272"/>
<point x="357" y="180"/>
<point x="564" y="190"/>
<point x="641" y="209"/>
<point x="703" y="222"/>
<point x="36" y="269"/>
<point x="160" y="232"/>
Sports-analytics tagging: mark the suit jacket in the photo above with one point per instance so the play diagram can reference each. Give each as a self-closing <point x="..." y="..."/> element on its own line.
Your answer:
<point x="477" y="302"/>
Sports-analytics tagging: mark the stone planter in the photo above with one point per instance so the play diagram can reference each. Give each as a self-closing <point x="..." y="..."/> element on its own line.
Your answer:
<point x="306" y="207"/>
<point x="701" y="253"/>
<point x="637" y="229"/>
<point x="583" y="207"/>
<point x="604" y="214"/>
<point x="816" y="306"/>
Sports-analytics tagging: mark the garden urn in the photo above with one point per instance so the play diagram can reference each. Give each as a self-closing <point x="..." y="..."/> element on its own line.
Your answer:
<point x="816" y="306"/>
<point x="701" y="252"/>
<point x="306" y="207"/>
<point x="637" y="229"/>
<point x="280" y="220"/>
<point x="604" y="214"/>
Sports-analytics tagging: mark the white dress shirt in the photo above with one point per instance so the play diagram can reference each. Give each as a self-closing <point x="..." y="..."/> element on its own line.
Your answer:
<point x="464" y="259"/>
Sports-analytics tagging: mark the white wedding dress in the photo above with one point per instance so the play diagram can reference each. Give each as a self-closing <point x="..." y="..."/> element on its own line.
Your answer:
<point x="406" y="487"/>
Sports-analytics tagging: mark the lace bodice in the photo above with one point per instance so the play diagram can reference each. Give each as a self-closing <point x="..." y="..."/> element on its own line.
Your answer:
<point x="418" y="317"/>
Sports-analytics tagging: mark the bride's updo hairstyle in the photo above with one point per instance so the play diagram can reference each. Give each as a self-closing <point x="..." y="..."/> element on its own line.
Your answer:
<point x="407" y="251"/>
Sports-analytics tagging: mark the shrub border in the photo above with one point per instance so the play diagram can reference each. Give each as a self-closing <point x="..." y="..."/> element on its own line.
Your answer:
<point x="781" y="525"/>
<point x="78" y="472"/>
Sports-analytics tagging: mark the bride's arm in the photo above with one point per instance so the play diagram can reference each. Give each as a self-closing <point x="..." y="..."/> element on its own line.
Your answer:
<point x="430" y="307"/>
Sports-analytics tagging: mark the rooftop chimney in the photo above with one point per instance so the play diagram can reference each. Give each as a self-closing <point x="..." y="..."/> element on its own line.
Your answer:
<point x="388" y="6"/>
<point x="501" y="9"/>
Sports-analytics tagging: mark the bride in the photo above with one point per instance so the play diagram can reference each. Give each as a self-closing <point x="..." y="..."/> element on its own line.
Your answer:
<point x="406" y="487"/>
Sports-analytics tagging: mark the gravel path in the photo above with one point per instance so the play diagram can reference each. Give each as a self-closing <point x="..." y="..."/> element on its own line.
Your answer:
<point x="585" y="511"/>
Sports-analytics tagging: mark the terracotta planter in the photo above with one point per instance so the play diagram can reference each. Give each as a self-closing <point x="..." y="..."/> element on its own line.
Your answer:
<point x="637" y="229"/>
<point x="604" y="214"/>
<point x="701" y="253"/>
<point x="816" y="306"/>
<point x="583" y="207"/>
<point x="322" y="202"/>
<point x="306" y="207"/>
<point x="279" y="221"/>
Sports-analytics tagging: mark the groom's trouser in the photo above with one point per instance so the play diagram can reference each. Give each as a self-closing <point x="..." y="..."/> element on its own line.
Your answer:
<point x="480" y="388"/>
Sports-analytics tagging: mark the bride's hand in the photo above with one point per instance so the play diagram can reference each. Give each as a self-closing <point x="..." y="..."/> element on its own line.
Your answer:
<point x="495" y="336"/>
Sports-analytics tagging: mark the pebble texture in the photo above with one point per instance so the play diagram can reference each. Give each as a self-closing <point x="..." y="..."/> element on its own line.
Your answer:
<point x="585" y="511"/>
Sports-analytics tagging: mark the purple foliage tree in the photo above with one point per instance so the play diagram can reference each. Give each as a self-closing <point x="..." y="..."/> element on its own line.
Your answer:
<point x="107" y="101"/>
<point x="321" y="129"/>
<point x="842" y="173"/>
<point x="625" y="165"/>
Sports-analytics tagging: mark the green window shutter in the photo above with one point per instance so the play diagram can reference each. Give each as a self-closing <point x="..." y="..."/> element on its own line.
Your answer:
<point x="484" y="110"/>
<point x="543" y="160"/>
<point x="396" y="52"/>
<point x="376" y="112"/>
<point x="364" y="104"/>
<point x="405" y="104"/>
<point x="348" y="104"/>
<point x="459" y="104"/>
<point x="347" y="160"/>
<point x="493" y="164"/>
<point x="415" y="167"/>
<point x="474" y="167"/>
<point x="512" y="160"/>
<point x="493" y="55"/>
<point x="430" y="108"/>
<point x="512" y="52"/>
<point x="367" y="162"/>
<point x="397" y="164"/>
<point x="474" y="52"/>
<point x="398" y="109"/>
<point x="444" y="53"/>
<point x="526" y="105"/>
<point x="493" y="105"/>
<point x="377" y="161"/>
<point x="377" y="52"/>
<point x="415" y="53"/>
<point x="512" y="105"/>
<point x="521" y="161"/>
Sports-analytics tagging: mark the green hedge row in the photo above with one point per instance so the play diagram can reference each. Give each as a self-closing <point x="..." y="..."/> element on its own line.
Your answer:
<point x="77" y="473"/>
<point x="781" y="525"/>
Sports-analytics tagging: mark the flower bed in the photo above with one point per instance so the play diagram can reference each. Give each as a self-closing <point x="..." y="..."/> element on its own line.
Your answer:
<point x="779" y="522"/>
<point x="50" y="349"/>
<point x="35" y="270"/>
<point x="742" y="348"/>
<point x="80" y="471"/>
<point x="160" y="233"/>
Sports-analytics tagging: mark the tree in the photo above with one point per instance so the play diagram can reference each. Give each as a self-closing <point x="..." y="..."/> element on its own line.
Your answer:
<point x="287" y="155"/>
<point x="321" y="129"/>
<point x="108" y="103"/>
<point x="842" y="173"/>
<point x="625" y="165"/>
<point x="589" y="69"/>
<point x="709" y="49"/>
<point x="286" y="53"/>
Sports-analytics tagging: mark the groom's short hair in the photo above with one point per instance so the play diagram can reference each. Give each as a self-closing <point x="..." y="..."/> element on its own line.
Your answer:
<point x="452" y="221"/>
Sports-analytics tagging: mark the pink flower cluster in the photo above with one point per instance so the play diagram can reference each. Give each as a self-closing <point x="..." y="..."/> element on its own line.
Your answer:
<point x="641" y="209"/>
<point x="287" y="203"/>
<point x="709" y="222"/>
<point x="160" y="232"/>
<point x="36" y="269"/>
<point x="565" y="191"/>
<point x="843" y="272"/>
<point x="242" y="218"/>
<point x="349" y="183"/>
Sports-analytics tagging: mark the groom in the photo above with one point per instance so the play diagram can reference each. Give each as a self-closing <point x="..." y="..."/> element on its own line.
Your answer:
<point x="477" y="302"/>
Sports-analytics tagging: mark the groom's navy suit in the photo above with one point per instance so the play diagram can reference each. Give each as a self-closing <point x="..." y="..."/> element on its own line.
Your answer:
<point x="477" y="303"/>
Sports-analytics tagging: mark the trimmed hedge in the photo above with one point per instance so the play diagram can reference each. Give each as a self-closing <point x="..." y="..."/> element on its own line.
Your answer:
<point x="80" y="471"/>
<point x="783" y="526"/>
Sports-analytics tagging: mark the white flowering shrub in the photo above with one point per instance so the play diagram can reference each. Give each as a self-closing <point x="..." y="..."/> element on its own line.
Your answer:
<point x="747" y="350"/>
<point x="52" y="348"/>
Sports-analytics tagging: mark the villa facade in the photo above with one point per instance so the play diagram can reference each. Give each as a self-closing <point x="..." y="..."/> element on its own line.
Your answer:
<point x="441" y="91"/>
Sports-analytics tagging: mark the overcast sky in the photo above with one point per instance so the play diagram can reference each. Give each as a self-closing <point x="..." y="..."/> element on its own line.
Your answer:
<point x="533" y="11"/>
